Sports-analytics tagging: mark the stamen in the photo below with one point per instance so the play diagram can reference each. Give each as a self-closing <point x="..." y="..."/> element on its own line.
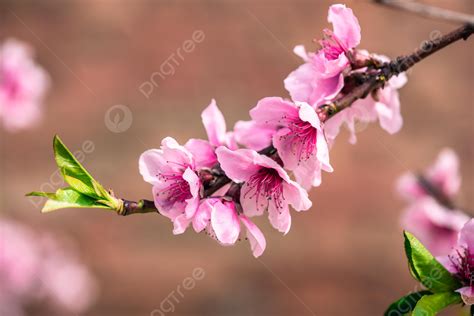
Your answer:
<point x="463" y="262"/>
<point x="302" y="137"/>
<point x="331" y="45"/>
<point x="178" y="189"/>
<point x="268" y="183"/>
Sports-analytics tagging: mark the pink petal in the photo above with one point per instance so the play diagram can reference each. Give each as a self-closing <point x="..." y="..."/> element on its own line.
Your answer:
<point x="23" y="86"/>
<point x="399" y="81"/>
<point x="296" y="196"/>
<point x="255" y="237"/>
<point x="175" y="153"/>
<point x="299" y="84"/>
<point x="305" y="84"/>
<point x="164" y="206"/>
<point x="300" y="51"/>
<point x="322" y="152"/>
<point x="447" y="263"/>
<point x="150" y="164"/>
<point x="272" y="110"/>
<point x="284" y="145"/>
<point x="308" y="173"/>
<point x="203" y="215"/>
<point x="225" y="223"/>
<point x="345" y="24"/>
<point x="466" y="236"/>
<point x="408" y="187"/>
<point x="388" y="110"/>
<point x="230" y="141"/>
<point x="307" y="114"/>
<point x="467" y="295"/>
<point x="214" y="123"/>
<point x="329" y="68"/>
<point x="181" y="223"/>
<point x="253" y="135"/>
<point x="194" y="186"/>
<point x="360" y="113"/>
<point x="445" y="172"/>
<point x="280" y="218"/>
<point x="251" y="204"/>
<point x="239" y="164"/>
<point x="203" y="153"/>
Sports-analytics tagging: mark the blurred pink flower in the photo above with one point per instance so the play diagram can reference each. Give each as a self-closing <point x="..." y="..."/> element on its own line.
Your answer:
<point x="19" y="258"/>
<point x="23" y="85"/>
<point x="461" y="262"/>
<point x="435" y="226"/>
<point x="65" y="280"/>
<point x="221" y="220"/>
<point x="38" y="270"/>
<point x="385" y="107"/>
<point x="321" y="77"/>
<point x="266" y="186"/>
<point x="443" y="175"/>
<point x="297" y="135"/>
<point x="172" y="170"/>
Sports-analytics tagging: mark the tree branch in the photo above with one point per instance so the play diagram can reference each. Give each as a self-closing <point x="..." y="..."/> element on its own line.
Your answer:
<point x="374" y="79"/>
<point x="377" y="78"/>
<point x="428" y="11"/>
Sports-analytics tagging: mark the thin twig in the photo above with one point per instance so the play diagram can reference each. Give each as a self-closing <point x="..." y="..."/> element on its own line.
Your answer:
<point x="428" y="11"/>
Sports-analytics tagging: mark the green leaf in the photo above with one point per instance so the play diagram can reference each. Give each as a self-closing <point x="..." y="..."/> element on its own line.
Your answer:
<point x="406" y="304"/>
<point x="68" y="198"/>
<point x="430" y="305"/>
<point x="426" y="269"/>
<point x="41" y="194"/>
<point x="74" y="173"/>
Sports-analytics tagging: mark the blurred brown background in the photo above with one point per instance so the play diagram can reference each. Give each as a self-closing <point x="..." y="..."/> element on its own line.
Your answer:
<point x="343" y="257"/>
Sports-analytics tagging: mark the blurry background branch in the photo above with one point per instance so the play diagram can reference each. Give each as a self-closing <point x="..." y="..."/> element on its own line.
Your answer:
<point x="428" y="11"/>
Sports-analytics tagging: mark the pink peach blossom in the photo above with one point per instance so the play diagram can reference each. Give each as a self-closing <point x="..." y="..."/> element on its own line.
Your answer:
<point x="385" y="108"/>
<point x="172" y="170"/>
<point x="444" y="175"/>
<point x="19" y="258"/>
<point x="220" y="218"/>
<point x="23" y="85"/>
<point x="66" y="282"/>
<point x="321" y="77"/>
<point x="36" y="269"/>
<point x="297" y="135"/>
<point x="461" y="262"/>
<point x="265" y="185"/>
<point x="434" y="225"/>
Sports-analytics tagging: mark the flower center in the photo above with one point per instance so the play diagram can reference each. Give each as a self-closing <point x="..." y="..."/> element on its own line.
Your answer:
<point x="8" y="83"/>
<point x="463" y="261"/>
<point x="302" y="138"/>
<point x="268" y="183"/>
<point x="176" y="190"/>
<point x="331" y="45"/>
